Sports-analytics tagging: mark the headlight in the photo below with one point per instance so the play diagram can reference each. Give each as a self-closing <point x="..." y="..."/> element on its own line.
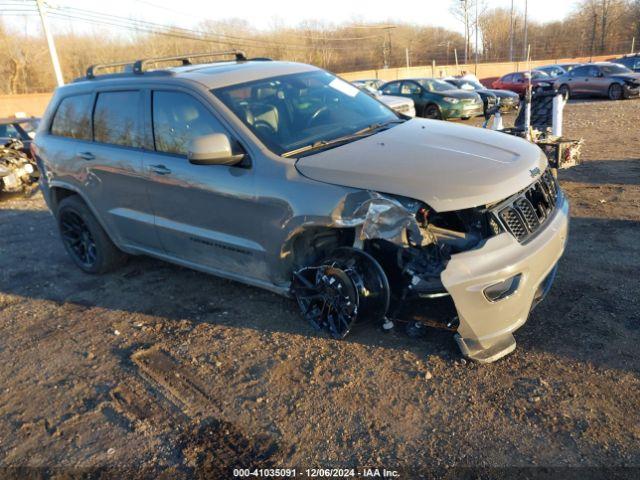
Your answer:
<point x="451" y="99"/>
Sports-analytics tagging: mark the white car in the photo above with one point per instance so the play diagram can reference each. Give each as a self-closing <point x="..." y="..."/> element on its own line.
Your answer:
<point x="401" y="105"/>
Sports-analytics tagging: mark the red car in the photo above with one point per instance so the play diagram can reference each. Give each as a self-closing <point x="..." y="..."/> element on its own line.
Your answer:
<point x="517" y="82"/>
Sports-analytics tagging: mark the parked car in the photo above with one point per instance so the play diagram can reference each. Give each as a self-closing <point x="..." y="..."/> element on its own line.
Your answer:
<point x="370" y="83"/>
<point x="604" y="79"/>
<point x="437" y="99"/>
<point x="282" y="176"/>
<point x="509" y="101"/>
<point x="19" y="128"/>
<point x="518" y="81"/>
<point x="401" y="105"/>
<point x="632" y="62"/>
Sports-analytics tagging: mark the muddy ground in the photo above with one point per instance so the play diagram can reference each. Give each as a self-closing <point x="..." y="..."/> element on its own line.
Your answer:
<point x="156" y="369"/>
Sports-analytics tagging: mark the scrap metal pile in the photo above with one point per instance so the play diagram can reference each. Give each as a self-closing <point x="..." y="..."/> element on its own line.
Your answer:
<point x="18" y="172"/>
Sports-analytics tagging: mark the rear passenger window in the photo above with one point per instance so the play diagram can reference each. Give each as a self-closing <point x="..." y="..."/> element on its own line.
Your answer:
<point x="73" y="118"/>
<point x="116" y="119"/>
<point x="392" y="89"/>
<point x="177" y="118"/>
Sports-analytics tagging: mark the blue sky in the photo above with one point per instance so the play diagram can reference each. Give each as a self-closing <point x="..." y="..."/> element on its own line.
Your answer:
<point x="263" y="13"/>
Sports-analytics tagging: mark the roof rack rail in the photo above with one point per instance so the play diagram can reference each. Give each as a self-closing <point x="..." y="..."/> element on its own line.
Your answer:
<point x="91" y="71"/>
<point x="138" y="66"/>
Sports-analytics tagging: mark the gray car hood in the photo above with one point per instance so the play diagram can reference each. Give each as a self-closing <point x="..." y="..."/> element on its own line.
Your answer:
<point x="447" y="166"/>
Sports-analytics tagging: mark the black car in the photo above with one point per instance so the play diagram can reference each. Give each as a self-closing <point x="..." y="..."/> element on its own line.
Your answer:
<point x="632" y="62"/>
<point x="509" y="101"/>
<point x="22" y="129"/>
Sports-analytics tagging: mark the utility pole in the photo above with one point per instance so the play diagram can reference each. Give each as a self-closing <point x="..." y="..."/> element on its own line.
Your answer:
<point x="466" y="31"/>
<point x="526" y="27"/>
<point x="406" y="54"/>
<point x="476" y="49"/>
<point x="511" y="34"/>
<point x="593" y="36"/>
<point x="52" y="46"/>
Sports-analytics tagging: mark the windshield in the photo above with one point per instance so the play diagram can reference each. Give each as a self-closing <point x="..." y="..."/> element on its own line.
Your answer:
<point x="470" y="85"/>
<point x="614" y="69"/>
<point x="433" y="85"/>
<point x="292" y="111"/>
<point x="539" y="74"/>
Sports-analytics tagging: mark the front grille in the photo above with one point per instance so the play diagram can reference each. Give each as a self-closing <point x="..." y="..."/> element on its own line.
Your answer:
<point x="524" y="214"/>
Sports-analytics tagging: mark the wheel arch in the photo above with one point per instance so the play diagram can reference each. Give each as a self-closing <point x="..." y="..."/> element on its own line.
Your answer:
<point x="58" y="191"/>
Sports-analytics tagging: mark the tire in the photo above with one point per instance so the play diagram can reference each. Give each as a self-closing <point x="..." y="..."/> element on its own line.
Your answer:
<point x="84" y="239"/>
<point x="564" y="91"/>
<point x="432" y="111"/>
<point x="615" y="92"/>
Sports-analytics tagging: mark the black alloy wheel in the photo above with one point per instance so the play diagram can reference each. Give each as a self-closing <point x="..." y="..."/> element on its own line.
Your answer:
<point x="78" y="239"/>
<point x="432" y="111"/>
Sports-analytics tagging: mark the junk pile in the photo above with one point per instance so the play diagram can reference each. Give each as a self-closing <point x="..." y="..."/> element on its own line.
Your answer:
<point x="18" y="172"/>
<point x="540" y="121"/>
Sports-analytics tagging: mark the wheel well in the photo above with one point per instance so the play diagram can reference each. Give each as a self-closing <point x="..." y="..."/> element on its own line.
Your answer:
<point x="58" y="194"/>
<point x="314" y="244"/>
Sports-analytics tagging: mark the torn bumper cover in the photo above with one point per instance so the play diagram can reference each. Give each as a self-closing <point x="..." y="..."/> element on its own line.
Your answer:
<point x="485" y="332"/>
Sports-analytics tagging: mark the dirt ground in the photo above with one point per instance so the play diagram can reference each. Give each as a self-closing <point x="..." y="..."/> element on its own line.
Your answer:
<point x="158" y="370"/>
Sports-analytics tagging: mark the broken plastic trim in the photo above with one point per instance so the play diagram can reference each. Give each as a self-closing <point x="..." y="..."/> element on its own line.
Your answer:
<point x="380" y="217"/>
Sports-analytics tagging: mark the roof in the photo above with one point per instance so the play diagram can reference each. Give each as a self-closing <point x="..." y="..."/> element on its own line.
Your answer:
<point x="215" y="75"/>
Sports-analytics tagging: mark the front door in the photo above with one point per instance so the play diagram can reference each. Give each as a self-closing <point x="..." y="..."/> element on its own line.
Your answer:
<point x="203" y="213"/>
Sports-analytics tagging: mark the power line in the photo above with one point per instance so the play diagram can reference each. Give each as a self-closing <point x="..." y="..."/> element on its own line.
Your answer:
<point x="179" y="32"/>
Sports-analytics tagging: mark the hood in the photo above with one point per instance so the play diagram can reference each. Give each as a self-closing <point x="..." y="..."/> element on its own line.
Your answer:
<point x="627" y="77"/>
<point x="457" y="93"/>
<point x="446" y="165"/>
<point x="504" y="93"/>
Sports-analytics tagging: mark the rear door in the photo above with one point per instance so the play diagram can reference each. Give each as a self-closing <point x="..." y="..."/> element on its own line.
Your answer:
<point x="578" y="80"/>
<point x="203" y="213"/>
<point x="115" y="182"/>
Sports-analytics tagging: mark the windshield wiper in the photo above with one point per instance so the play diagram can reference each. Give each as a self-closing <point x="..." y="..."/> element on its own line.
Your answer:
<point x="322" y="144"/>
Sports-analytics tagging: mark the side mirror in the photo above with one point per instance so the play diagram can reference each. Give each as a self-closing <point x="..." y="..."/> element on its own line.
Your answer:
<point x="212" y="149"/>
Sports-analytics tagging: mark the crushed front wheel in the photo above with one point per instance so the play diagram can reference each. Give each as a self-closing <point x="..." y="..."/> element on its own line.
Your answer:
<point x="327" y="298"/>
<point x="348" y="286"/>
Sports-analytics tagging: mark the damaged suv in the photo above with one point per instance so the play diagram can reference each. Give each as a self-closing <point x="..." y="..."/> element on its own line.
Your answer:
<point x="283" y="176"/>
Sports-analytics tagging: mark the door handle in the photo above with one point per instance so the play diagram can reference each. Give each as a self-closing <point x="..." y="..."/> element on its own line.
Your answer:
<point x="160" y="169"/>
<point x="86" y="156"/>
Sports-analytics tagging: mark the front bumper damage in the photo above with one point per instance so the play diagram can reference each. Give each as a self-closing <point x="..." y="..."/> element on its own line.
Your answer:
<point x="478" y="272"/>
<point x="485" y="331"/>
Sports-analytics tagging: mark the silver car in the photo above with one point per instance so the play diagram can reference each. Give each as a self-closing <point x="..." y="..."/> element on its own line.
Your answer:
<point x="601" y="79"/>
<point x="283" y="176"/>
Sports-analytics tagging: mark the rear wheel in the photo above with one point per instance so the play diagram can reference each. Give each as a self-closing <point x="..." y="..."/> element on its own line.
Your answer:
<point x="615" y="91"/>
<point x="432" y="111"/>
<point x="85" y="240"/>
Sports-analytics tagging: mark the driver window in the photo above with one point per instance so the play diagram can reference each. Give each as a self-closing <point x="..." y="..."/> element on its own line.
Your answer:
<point x="409" y="88"/>
<point x="593" y="72"/>
<point x="177" y="118"/>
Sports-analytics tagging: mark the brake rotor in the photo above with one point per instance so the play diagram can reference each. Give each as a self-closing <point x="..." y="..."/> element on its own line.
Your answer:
<point x="348" y="286"/>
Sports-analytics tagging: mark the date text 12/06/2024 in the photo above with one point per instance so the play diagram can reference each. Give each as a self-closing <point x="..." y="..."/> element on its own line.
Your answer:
<point x="315" y="473"/>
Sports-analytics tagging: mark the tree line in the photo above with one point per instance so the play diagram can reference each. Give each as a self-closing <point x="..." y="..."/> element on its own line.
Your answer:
<point x="593" y="27"/>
